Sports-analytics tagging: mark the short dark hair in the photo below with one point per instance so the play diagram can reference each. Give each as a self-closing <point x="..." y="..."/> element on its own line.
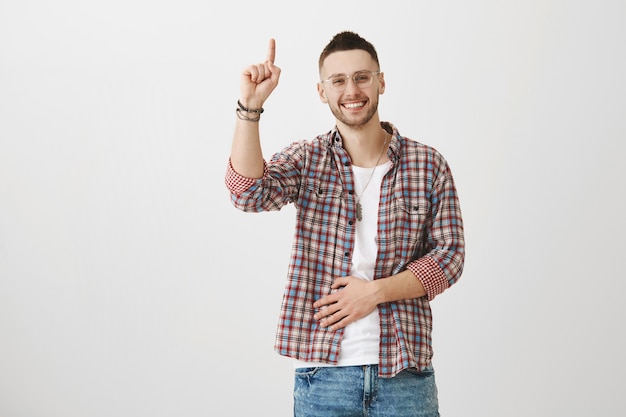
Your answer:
<point x="348" y="41"/>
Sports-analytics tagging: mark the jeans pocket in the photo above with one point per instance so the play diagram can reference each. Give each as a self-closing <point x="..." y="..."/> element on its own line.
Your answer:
<point x="423" y="373"/>
<point x="306" y="371"/>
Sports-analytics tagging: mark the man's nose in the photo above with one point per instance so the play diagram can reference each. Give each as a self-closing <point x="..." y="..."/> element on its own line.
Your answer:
<point x="351" y="84"/>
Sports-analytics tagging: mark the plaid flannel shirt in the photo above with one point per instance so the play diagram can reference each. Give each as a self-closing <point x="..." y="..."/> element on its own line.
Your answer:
<point x="419" y="228"/>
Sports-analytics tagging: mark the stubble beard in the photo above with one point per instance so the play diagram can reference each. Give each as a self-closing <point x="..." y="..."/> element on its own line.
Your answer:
<point x="358" y="123"/>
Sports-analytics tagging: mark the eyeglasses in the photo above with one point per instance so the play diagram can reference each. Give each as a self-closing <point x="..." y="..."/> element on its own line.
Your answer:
<point x="361" y="79"/>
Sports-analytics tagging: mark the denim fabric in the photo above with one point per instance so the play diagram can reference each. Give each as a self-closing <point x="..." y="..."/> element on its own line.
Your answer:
<point x="358" y="391"/>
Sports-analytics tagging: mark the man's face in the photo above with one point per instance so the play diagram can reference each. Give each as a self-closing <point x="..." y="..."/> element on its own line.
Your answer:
<point x="355" y="105"/>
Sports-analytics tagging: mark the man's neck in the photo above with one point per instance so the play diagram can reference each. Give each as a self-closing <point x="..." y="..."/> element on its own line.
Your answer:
<point x="365" y="145"/>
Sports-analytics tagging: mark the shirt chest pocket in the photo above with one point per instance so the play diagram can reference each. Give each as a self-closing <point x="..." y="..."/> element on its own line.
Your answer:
<point x="321" y="201"/>
<point x="412" y="215"/>
<point x="322" y="190"/>
<point x="412" y="207"/>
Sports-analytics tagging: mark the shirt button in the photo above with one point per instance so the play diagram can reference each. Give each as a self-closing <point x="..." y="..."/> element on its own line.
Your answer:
<point x="347" y="254"/>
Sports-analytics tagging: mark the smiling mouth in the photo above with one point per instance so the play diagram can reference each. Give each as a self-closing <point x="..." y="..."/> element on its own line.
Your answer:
<point x="357" y="105"/>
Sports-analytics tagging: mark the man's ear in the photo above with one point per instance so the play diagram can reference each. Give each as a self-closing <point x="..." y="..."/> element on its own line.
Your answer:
<point x="381" y="90"/>
<point x="322" y="93"/>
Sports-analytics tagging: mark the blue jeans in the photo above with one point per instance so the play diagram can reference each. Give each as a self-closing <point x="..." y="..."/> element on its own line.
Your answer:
<point x="358" y="391"/>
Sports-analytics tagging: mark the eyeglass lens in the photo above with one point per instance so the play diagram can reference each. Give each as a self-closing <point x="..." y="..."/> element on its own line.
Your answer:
<point x="362" y="79"/>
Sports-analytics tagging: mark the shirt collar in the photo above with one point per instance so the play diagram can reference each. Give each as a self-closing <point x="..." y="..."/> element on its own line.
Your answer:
<point x="333" y="138"/>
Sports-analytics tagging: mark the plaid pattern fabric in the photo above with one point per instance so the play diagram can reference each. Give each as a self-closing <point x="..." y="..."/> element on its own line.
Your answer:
<point x="419" y="228"/>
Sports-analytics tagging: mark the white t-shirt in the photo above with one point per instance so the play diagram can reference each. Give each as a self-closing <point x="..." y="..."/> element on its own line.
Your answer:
<point x="360" y="342"/>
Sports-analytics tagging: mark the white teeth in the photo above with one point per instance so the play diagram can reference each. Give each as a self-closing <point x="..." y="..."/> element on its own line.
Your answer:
<point x="354" y="105"/>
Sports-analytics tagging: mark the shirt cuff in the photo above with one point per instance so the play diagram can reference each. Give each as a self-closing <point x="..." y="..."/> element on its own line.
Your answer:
<point x="427" y="270"/>
<point x="235" y="182"/>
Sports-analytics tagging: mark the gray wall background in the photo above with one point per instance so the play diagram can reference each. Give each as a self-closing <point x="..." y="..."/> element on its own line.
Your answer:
<point x="130" y="287"/>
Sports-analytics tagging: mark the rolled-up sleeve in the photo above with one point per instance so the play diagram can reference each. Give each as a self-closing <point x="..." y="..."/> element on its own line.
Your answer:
<point x="442" y="265"/>
<point x="236" y="183"/>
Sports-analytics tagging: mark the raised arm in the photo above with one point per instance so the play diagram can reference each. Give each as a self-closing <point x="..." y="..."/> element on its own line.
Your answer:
<point x="256" y="84"/>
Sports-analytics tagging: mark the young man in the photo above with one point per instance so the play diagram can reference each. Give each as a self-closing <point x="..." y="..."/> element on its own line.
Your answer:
<point x="378" y="235"/>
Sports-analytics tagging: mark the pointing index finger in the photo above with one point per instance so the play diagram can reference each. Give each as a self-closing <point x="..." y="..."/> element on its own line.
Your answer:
<point x="271" y="50"/>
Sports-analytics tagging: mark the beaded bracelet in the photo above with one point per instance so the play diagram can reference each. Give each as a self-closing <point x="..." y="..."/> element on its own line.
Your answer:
<point x="244" y="108"/>
<point x="246" y="118"/>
